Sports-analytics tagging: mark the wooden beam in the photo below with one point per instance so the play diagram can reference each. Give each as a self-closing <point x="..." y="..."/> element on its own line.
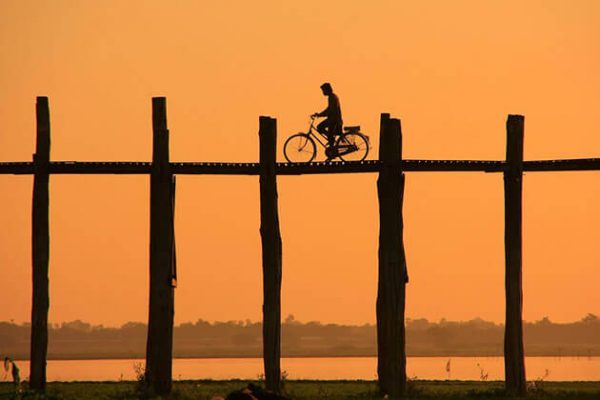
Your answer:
<point x="393" y="276"/>
<point x="159" y="348"/>
<point x="40" y="247"/>
<point x="514" y="358"/>
<point x="271" y="253"/>
<point x="284" y="168"/>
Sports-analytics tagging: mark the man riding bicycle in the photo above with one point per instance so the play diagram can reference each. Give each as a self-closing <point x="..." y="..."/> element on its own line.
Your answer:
<point x="332" y="124"/>
<point x="349" y="145"/>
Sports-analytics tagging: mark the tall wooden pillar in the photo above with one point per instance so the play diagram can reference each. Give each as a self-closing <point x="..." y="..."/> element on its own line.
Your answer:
<point x="514" y="358"/>
<point x="271" y="254"/>
<point x="159" y="347"/>
<point x="393" y="276"/>
<point x="173" y="247"/>
<point x="40" y="246"/>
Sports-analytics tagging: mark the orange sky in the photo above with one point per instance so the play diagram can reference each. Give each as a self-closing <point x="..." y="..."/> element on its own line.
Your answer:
<point x="451" y="70"/>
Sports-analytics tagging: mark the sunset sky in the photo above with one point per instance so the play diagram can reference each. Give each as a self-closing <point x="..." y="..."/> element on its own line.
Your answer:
<point x="451" y="70"/>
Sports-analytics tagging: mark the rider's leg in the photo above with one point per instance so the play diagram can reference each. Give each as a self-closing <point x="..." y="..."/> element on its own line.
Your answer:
<point x="325" y="127"/>
<point x="336" y="129"/>
<point x="322" y="127"/>
<point x="331" y="138"/>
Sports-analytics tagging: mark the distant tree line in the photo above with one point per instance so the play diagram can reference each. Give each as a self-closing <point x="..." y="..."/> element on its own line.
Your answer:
<point x="80" y="340"/>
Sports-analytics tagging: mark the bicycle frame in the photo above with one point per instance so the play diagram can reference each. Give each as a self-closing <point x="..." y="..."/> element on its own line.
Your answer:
<point x="340" y="150"/>
<point x="349" y="141"/>
<point x="318" y="135"/>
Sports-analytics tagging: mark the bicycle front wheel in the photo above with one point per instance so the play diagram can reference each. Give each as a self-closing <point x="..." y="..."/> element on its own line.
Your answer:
<point x="353" y="146"/>
<point x="299" y="148"/>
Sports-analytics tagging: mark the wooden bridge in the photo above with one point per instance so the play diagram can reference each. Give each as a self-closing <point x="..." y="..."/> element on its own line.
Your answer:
<point x="392" y="271"/>
<point x="282" y="168"/>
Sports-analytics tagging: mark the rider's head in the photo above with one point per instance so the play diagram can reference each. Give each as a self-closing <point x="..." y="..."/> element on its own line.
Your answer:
<point x="326" y="88"/>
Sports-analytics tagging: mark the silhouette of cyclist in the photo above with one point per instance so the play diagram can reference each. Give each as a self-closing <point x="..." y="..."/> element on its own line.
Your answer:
<point x="332" y="124"/>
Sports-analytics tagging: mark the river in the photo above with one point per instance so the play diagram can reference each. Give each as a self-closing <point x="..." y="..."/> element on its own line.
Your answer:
<point x="461" y="368"/>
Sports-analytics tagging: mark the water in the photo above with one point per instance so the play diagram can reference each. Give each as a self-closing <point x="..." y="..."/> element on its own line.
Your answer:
<point x="461" y="368"/>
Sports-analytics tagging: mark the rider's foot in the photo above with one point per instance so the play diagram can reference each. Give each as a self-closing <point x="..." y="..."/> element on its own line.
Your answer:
<point x="331" y="153"/>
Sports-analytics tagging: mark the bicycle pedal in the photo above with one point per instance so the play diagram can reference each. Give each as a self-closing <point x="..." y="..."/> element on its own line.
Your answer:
<point x="331" y="153"/>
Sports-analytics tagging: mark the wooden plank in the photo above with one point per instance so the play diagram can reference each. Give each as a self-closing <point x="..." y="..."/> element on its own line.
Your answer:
<point x="159" y="348"/>
<point x="579" y="164"/>
<point x="203" y="168"/>
<point x="271" y="254"/>
<point x="40" y="246"/>
<point x="393" y="276"/>
<point x="514" y="358"/>
<point x="99" y="167"/>
<point x="332" y="167"/>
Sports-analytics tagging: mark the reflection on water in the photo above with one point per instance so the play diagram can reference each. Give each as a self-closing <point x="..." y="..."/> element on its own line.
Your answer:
<point x="461" y="368"/>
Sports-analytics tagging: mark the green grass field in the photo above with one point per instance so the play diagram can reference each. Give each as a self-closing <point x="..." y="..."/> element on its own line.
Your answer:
<point x="304" y="390"/>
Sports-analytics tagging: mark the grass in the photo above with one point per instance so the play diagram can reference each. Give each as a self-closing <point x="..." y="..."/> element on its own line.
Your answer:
<point x="305" y="390"/>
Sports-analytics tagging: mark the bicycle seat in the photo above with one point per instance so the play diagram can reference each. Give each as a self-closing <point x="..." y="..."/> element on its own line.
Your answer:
<point x="351" y="128"/>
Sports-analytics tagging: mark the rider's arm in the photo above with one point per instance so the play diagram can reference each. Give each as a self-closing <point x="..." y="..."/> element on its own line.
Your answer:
<point x="324" y="113"/>
<point x="332" y="104"/>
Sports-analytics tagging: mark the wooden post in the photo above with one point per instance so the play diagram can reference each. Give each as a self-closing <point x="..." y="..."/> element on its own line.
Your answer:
<point x="393" y="276"/>
<point x="382" y="351"/>
<point x="271" y="254"/>
<point x="159" y="347"/>
<point x="514" y="358"/>
<point x="173" y="247"/>
<point x="40" y="247"/>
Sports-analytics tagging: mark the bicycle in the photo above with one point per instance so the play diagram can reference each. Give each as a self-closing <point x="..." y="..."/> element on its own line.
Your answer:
<point x="351" y="145"/>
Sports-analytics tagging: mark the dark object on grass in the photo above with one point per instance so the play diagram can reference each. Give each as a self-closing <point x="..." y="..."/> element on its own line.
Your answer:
<point x="254" y="392"/>
<point x="240" y="395"/>
<point x="15" y="372"/>
<point x="263" y="394"/>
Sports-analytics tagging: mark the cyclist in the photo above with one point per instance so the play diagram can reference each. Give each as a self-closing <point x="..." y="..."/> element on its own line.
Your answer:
<point x="332" y="124"/>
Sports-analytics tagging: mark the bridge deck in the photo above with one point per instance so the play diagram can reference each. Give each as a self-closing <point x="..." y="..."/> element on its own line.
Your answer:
<point x="225" y="168"/>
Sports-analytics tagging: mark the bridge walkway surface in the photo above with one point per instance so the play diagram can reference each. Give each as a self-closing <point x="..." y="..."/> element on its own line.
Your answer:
<point x="322" y="167"/>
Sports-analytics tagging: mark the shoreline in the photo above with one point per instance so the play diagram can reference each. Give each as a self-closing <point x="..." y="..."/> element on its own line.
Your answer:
<point x="210" y="357"/>
<point x="326" y="390"/>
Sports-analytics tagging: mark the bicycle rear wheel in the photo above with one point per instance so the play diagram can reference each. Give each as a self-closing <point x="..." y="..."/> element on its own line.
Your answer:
<point x="299" y="148"/>
<point x="352" y="146"/>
